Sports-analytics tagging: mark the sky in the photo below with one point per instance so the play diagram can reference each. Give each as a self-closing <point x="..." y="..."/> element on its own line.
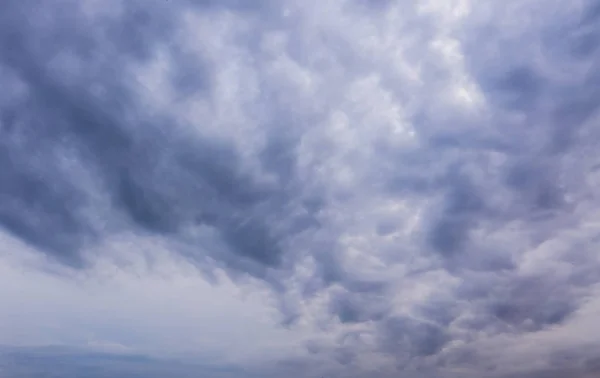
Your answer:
<point x="332" y="188"/>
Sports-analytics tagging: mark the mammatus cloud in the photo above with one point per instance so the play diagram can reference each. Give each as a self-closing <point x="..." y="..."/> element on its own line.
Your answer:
<point x="414" y="180"/>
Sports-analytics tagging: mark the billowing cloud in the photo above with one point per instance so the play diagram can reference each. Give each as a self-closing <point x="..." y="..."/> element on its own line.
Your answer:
<point x="412" y="181"/>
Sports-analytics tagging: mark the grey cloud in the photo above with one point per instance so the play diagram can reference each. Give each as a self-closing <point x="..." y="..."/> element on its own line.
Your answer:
<point x="201" y="182"/>
<point x="529" y="187"/>
<point x="68" y="362"/>
<point x="474" y="177"/>
<point x="357" y="306"/>
<point x="407" y="338"/>
<point x="522" y="300"/>
<point x="344" y="356"/>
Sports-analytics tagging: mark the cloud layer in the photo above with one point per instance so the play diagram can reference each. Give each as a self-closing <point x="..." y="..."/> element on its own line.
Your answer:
<point x="416" y="181"/>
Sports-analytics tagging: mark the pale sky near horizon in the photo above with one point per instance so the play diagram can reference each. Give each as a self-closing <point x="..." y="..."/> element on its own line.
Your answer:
<point x="348" y="188"/>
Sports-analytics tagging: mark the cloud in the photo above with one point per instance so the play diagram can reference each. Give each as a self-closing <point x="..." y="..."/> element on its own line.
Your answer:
<point x="416" y="182"/>
<point x="37" y="362"/>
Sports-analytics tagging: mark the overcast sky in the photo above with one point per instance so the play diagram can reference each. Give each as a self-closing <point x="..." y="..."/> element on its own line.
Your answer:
<point x="306" y="188"/>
